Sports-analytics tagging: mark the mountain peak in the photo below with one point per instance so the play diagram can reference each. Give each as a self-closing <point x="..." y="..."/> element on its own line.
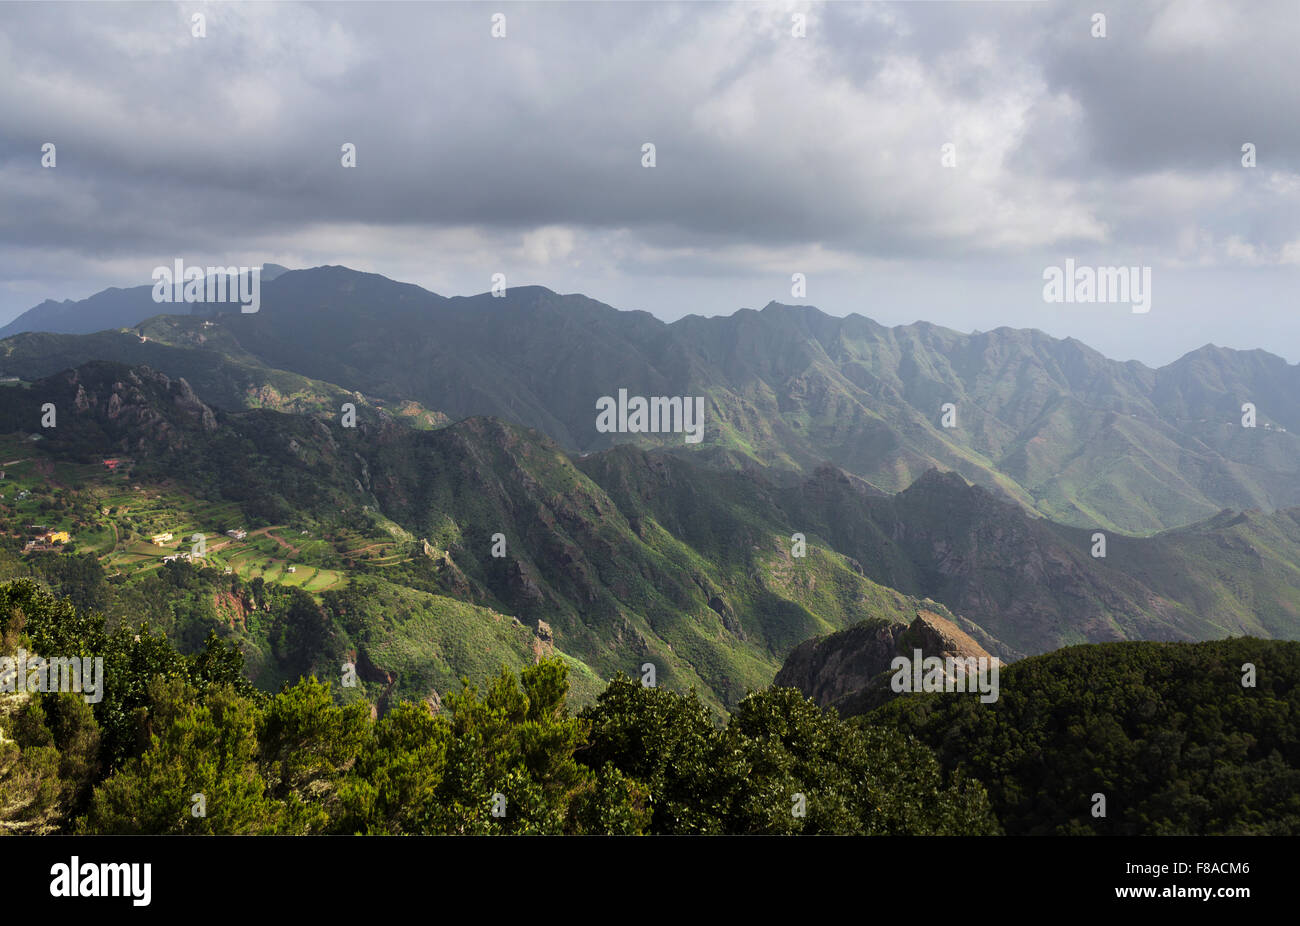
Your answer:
<point x="939" y="479"/>
<point x="778" y="308"/>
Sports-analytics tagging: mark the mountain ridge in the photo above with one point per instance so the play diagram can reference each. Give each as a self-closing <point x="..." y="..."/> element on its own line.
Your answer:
<point x="14" y="327"/>
<point x="619" y="558"/>
<point x="1051" y="423"/>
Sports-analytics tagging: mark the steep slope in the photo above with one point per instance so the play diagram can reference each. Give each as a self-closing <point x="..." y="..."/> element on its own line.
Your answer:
<point x="1017" y="584"/>
<point x="613" y="591"/>
<point x="1035" y="585"/>
<point x="193" y="348"/>
<point x="1051" y="424"/>
<point x="630" y="557"/>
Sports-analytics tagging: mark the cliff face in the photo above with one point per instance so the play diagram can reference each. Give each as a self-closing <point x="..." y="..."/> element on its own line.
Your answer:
<point x="850" y="670"/>
<point x="104" y="408"/>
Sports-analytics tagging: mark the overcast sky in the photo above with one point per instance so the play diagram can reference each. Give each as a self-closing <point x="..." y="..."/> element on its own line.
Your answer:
<point x="775" y="154"/>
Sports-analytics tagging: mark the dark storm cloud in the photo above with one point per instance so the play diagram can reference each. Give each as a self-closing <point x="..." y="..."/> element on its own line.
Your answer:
<point x="526" y="150"/>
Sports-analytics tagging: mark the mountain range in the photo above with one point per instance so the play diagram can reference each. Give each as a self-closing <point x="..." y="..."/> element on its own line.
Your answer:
<point x="1049" y="424"/>
<point x="615" y="559"/>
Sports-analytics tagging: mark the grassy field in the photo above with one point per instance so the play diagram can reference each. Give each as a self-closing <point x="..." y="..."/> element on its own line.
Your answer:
<point x="109" y="514"/>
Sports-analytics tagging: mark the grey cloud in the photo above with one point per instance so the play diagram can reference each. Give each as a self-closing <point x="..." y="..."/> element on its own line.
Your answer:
<point x="169" y="145"/>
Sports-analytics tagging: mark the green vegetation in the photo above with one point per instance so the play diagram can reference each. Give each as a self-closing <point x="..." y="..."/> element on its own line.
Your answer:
<point x="54" y="746"/>
<point x="1167" y="732"/>
<point x="777" y="751"/>
<point x="199" y="350"/>
<point x="612" y="560"/>
<point x="406" y="517"/>
<point x="183" y="745"/>
<point x="1052" y="424"/>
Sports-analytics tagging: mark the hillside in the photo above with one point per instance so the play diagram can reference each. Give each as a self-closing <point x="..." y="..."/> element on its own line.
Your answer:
<point x="638" y="760"/>
<point x="1050" y="423"/>
<point x="194" y="349"/>
<point x="1018" y="584"/>
<point x="614" y="560"/>
<point x="409" y="513"/>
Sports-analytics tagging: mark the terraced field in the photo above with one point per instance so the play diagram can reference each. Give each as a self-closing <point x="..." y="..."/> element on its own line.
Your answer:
<point x="109" y="514"/>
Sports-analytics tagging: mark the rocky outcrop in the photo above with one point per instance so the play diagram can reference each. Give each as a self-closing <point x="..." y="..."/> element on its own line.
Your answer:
<point x="850" y="670"/>
<point x="827" y="669"/>
<point x="543" y="642"/>
<point x="136" y="407"/>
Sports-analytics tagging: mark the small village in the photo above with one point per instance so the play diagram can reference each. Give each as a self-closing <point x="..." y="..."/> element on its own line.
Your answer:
<point x="133" y="525"/>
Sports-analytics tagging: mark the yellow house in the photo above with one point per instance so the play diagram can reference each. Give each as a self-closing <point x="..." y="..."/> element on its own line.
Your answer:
<point x="57" y="537"/>
<point x="160" y="539"/>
